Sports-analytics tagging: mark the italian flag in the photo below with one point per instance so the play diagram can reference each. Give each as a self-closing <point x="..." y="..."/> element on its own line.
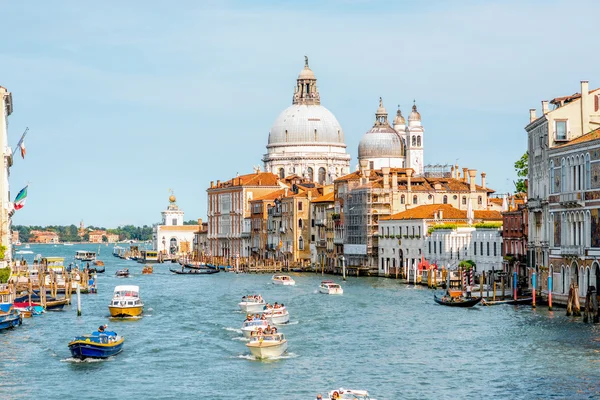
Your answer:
<point x="20" y="199"/>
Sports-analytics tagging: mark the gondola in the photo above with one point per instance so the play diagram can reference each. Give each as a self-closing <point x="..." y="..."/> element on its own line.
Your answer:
<point x="457" y="301"/>
<point x="98" y="270"/>
<point x="205" y="271"/>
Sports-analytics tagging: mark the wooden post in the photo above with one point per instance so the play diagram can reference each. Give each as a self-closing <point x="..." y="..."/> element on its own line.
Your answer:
<point x="576" y="306"/>
<point x="481" y="283"/>
<point x="515" y="285"/>
<point x="549" y="292"/>
<point x="570" y="301"/>
<point x="78" y="300"/>
<point x="533" y="282"/>
<point x="30" y="289"/>
<point x="501" y="284"/>
<point x="494" y="295"/>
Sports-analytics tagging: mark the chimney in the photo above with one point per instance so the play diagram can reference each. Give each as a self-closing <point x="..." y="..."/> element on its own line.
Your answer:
<point x="545" y="108"/>
<point x="483" y="180"/>
<point x="212" y="184"/>
<point x="472" y="174"/>
<point x="464" y="178"/>
<point x="441" y="214"/>
<point x="532" y="116"/>
<point x="408" y="176"/>
<point x="285" y="192"/>
<point x="585" y="109"/>
<point x="200" y="222"/>
<point x="456" y="172"/>
<point x="394" y="181"/>
<point x="386" y="177"/>
<point x="218" y="182"/>
<point x="309" y="195"/>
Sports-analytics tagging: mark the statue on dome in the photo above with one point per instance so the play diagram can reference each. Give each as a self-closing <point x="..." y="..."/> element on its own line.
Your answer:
<point x="306" y="61"/>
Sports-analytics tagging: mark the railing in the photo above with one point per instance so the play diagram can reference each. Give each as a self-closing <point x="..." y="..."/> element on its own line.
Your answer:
<point x="575" y="250"/>
<point x="321" y="221"/>
<point x="573" y="198"/>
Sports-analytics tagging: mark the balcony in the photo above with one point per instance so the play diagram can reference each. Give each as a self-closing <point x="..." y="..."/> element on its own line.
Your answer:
<point x="572" y="250"/>
<point x="321" y="242"/>
<point x="320" y="222"/>
<point x="572" y="199"/>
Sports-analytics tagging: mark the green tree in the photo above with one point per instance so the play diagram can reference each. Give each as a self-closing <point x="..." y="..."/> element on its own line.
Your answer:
<point x="191" y="222"/>
<point x="522" y="168"/>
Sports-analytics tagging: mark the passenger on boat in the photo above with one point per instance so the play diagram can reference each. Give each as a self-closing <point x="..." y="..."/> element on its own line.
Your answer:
<point x="263" y="317"/>
<point x="102" y="328"/>
<point x="335" y="396"/>
<point x="468" y="291"/>
<point x="319" y="397"/>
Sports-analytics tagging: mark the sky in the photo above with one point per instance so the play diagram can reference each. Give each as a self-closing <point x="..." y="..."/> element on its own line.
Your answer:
<point x="125" y="101"/>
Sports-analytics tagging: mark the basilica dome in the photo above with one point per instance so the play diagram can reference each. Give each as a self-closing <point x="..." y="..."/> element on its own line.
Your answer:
<point x="382" y="141"/>
<point x="306" y="123"/>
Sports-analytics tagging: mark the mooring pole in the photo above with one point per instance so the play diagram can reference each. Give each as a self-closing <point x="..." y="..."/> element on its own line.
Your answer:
<point x="78" y="300"/>
<point x="515" y="285"/>
<point x="533" y="276"/>
<point x="550" y="292"/>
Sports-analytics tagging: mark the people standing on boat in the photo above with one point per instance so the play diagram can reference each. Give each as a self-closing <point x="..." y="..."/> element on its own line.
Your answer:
<point x="468" y="291"/>
<point x="102" y="328"/>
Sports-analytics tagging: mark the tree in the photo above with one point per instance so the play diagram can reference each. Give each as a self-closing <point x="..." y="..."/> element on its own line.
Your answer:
<point x="522" y="168"/>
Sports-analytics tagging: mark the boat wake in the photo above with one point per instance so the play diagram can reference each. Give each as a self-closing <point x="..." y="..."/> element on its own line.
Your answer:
<point x="250" y="357"/>
<point x="87" y="360"/>
<point x="290" y="323"/>
<point x="236" y="330"/>
<point x="241" y="339"/>
<point x="24" y="252"/>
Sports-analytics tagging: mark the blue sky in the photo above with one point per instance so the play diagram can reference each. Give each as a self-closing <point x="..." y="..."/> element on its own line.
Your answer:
<point x="126" y="100"/>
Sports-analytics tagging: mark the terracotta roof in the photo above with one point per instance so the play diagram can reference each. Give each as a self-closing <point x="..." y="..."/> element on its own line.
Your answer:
<point x="255" y="179"/>
<point x="560" y="101"/>
<point x="270" y="196"/>
<point x="324" y="199"/>
<point x="428" y="211"/>
<point x="588" y="137"/>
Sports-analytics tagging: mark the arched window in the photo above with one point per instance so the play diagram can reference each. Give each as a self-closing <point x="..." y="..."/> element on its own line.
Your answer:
<point x="563" y="176"/>
<point x="402" y="199"/>
<point x="418" y="140"/>
<point x="300" y="243"/>
<point x="281" y="173"/>
<point x="310" y="174"/>
<point x="445" y="199"/>
<point x="322" y="175"/>
<point x="300" y="224"/>
<point x="414" y="140"/>
<point x="173" y="247"/>
<point x="588" y="171"/>
<point x="552" y="177"/>
<point x="415" y="199"/>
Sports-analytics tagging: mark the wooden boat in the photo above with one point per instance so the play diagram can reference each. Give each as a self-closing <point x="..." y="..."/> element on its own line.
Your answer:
<point x="526" y="300"/>
<point x="126" y="302"/>
<point x="99" y="263"/>
<point x="456" y="301"/>
<point x="123" y="273"/>
<point x="10" y="319"/>
<point x="147" y="270"/>
<point x="52" y="303"/>
<point x="98" y="270"/>
<point x="199" y="271"/>
<point x="97" y="345"/>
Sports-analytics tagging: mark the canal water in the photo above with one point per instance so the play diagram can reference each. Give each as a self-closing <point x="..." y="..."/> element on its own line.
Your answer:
<point x="388" y="338"/>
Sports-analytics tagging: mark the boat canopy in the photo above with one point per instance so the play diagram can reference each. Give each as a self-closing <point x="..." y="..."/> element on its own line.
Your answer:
<point x="127" y="290"/>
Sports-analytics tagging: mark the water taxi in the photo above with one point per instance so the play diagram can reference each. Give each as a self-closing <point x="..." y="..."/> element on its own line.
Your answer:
<point x="277" y="316"/>
<point x="285" y="280"/>
<point x="252" y="304"/>
<point x="118" y="252"/>
<point x="122" y="273"/>
<point x="348" y="394"/>
<point x="148" y="256"/>
<point x="101" y="344"/>
<point x="329" y="287"/>
<point x="85" y="256"/>
<point x="268" y="346"/>
<point x="9" y="316"/>
<point x="126" y="302"/>
<point x="252" y="326"/>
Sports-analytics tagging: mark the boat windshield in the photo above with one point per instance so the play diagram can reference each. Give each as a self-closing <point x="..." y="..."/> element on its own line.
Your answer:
<point x="126" y="293"/>
<point x="255" y="323"/>
<point x="272" y="338"/>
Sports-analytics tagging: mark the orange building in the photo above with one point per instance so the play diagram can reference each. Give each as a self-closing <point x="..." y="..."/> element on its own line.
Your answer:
<point x="96" y="236"/>
<point x="43" y="237"/>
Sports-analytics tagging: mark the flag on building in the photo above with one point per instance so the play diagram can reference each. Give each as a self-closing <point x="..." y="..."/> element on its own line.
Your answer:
<point x="21" y="143"/>
<point x="21" y="198"/>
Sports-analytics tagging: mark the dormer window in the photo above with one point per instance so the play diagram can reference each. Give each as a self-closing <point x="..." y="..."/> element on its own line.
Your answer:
<point x="560" y="129"/>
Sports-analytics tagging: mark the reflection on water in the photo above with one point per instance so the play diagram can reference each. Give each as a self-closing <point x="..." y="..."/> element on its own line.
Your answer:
<point x="382" y="336"/>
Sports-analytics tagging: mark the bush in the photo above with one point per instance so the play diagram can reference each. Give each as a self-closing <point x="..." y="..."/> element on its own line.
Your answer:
<point x="4" y="274"/>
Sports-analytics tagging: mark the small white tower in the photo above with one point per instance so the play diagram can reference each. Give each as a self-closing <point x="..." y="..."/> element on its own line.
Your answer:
<point x="173" y="215"/>
<point x="414" y="142"/>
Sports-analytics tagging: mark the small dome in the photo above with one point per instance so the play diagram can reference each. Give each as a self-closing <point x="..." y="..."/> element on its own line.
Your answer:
<point x="399" y="120"/>
<point x="172" y="198"/>
<point x="414" y="115"/>
<point x="307" y="73"/>
<point x="382" y="141"/>
<point x="381" y="110"/>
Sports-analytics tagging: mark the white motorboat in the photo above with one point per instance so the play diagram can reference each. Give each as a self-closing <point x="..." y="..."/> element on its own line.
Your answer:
<point x="277" y="316"/>
<point x="268" y="346"/>
<point x="85" y="256"/>
<point x="126" y="302"/>
<point x="330" y="287"/>
<point x="252" y="304"/>
<point x="285" y="280"/>
<point x="348" y="394"/>
<point x="252" y="326"/>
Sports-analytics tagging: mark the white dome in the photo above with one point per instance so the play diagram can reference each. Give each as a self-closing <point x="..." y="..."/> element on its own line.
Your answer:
<point x="306" y="124"/>
<point x="380" y="142"/>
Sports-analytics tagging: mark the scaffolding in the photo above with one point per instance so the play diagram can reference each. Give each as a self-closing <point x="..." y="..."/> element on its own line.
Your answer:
<point x="437" y="171"/>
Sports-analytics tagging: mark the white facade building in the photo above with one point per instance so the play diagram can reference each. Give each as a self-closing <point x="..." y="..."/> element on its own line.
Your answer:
<point x="306" y="139"/>
<point x="6" y="206"/>
<point x="172" y="236"/>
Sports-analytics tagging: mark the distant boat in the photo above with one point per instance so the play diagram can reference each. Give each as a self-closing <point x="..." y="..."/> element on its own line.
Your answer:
<point x="84" y="256"/>
<point x="67" y="244"/>
<point x="27" y="246"/>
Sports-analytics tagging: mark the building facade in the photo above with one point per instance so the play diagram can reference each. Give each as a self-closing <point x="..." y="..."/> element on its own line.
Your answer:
<point x="172" y="237"/>
<point x="306" y="139"/>
<point x="6" y="209"/>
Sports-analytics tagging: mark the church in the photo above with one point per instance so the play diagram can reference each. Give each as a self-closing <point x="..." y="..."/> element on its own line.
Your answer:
<point x="172" y="237"/>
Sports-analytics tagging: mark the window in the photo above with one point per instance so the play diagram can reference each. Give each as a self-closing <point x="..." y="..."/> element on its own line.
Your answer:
<point x="415" y="199"/>
<point x="299" y="206"/>
<point x="552" y="177"/>
<point x="474" y="248"/>
<point x="588" y="171"/>
<point x="481" y="248"/>
<point x="464" y="201"/>
<point x="310" y="174"/>
<point x="435" y="247"/>
<point x="418" y="140"/>
<point x="174" y="221"/>
<point x="402" y="199"/>
<point x="488" y="248"/>
<point x="495" y="249"/>
<point x="560" y="128"/>
<point x="281" y="173"/>
<point x="300" y="223"/>
<point x="371" y="165"/>
<point x="563" y="175"/>
<point x="322" y="175"/>
<point x="301" y="243"/>
<point x="414" y="140"/>
<point x="445" y="199"/>
<point x="429" y="247"/>
<point x="480" y="200"/>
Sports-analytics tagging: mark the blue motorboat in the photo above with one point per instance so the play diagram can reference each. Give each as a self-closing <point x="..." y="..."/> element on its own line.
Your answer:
<point x="9" y="317"/>
<point x="101" y="344"/>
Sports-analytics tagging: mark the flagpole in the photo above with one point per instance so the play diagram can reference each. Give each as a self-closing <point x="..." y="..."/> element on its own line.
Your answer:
<point x="22" y="138"/>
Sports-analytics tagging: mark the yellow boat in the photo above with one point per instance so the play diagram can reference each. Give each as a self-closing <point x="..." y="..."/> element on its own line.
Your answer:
<point x="126" y="302"/>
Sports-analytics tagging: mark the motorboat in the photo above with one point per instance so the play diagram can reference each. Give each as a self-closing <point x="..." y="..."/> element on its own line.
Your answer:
<point x="285" y="280"/>
<point x="147" y="270"/>
<point x="102" y="344"/>
<point x="330" y="287"/>
<point x="348" y="394"/>
<point x="252" y="304"/>
<point x="268" y="346"/>
<point x="148" y="256"/>
<point x="9" y="316"/>
<point x="277" y="316"/>
<point x="252" y="326"/>
<point x="122" y="273"/>
<point x="85" y="256"/>
<point x="126" y="302"/>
